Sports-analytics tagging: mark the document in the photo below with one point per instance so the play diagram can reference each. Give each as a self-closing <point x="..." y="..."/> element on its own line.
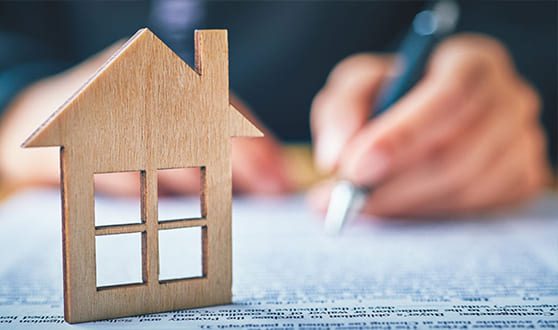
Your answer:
<point x="495" y="271"/>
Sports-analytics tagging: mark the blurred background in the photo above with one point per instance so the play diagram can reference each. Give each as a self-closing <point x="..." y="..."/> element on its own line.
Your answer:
<point x="281" y="52"/>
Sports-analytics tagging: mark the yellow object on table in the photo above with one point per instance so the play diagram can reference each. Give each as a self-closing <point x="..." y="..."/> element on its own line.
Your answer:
<point x="300" y="166"/>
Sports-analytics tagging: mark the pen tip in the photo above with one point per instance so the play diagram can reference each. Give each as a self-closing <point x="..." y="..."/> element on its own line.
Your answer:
<point x="345" y="199"/>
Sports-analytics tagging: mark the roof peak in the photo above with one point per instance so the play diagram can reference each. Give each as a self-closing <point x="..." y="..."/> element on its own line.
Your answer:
<point x="139" y="54"/>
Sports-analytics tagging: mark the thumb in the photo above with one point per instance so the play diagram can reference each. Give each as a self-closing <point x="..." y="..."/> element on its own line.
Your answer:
<point x="342" y="107"/>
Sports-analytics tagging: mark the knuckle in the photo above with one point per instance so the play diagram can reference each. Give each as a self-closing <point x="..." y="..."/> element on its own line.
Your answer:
<point x="472" y="54"/>
<point x="386" y="144"/>
<point x="402" y="136"/>
<point x="530" y="101"/>
<point x="449" y="95"/>
<point x="456" y="90"/>
<point x="471" y="45"/>
<point x="442" y="143"/>
<point x="319" y="101"/>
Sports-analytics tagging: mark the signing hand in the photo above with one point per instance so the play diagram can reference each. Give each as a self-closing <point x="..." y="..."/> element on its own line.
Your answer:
<point x="464" y="139"/>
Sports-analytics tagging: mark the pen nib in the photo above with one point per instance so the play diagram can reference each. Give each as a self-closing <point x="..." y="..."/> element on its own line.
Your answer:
<point x="346" y="199"/>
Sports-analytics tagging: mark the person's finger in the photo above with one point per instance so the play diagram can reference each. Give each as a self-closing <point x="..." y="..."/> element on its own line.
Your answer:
<point x="489" y="117"/>
<point x="453" y="169"/>
<point x="515" y="175"/>
<point x="341" y="108"/>
<point x="518" y="173"/>
<point x="454" y="92"/>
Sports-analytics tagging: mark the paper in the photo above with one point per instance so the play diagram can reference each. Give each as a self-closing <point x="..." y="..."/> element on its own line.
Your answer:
<point x="499" y="271"/>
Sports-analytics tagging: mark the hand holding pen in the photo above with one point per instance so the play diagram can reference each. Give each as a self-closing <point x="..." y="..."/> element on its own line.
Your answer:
<point x="465" y="136"/>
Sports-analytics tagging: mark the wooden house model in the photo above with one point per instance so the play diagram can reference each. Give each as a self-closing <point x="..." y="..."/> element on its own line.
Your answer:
<point x="145" y="110"/>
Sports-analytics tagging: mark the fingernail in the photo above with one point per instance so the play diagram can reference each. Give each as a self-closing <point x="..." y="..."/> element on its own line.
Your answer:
<point x="327" y="151"/>
<point x="369" y="169"/>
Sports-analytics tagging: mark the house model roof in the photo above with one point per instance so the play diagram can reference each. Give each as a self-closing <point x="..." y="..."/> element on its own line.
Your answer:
<point x="145" y="87"/>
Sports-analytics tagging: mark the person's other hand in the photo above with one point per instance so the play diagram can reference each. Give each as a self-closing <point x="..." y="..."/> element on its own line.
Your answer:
<point x="464" y="139"/>
<point x="258" y="164"/>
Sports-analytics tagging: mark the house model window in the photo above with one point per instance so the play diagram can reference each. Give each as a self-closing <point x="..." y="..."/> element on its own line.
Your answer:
<point x="121" y="238"/>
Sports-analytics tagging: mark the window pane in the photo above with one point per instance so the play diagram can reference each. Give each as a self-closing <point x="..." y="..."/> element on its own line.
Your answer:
<point x="180" y="253"/>
<point x="118" y="259"/>
<point x="112" y="210"/>
<point x="180" y="193"/>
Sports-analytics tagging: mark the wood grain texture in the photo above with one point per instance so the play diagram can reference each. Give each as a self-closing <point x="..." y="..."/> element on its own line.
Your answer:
<point x="146" y="110"/>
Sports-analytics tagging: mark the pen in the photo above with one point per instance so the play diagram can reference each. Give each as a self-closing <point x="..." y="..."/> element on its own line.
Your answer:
<point x="428" y="27"/>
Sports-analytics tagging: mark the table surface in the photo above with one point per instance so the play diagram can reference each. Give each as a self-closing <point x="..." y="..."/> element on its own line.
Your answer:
<point x="492" y="272"/>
